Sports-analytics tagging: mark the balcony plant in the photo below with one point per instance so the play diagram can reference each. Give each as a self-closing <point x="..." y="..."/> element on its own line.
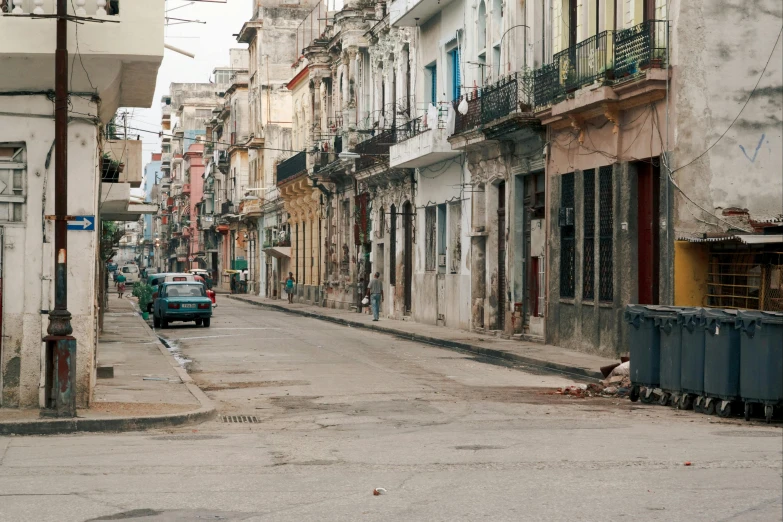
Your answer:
<point x="111" y="169"/>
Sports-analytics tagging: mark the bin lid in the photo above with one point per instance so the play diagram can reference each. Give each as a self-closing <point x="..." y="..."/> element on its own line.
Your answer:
<point x="719" y="315"/>
<point x="661" y="310"/>
<point x="746" y="317"/>
<point x="690" y="317"/>
<point x="634" y="314"/>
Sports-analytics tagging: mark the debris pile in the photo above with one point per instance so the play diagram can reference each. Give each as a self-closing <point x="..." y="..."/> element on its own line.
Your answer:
<point x="616" y="384"/>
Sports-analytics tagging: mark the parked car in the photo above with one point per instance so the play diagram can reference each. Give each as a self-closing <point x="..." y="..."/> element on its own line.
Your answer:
<point x="156" y="280"/>
<point x="182" y="301"/>
<point x="131" y="273"/>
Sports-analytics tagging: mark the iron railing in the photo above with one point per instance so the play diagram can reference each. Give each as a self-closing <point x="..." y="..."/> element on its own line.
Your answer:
<point x="587" y="62"/>
<point x="640" y="47"/>
<point x="508" y="95"/>
<point x="292" y="166"/>
<point x="411" y="129"/>
<point x="472" y="118"/>
<point x="376" y="149"/>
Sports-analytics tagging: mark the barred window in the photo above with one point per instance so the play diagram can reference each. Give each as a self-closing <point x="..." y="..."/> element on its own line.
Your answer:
<point x="13" y="176"/>
<point x="606" y="231"/>
<point x="588" y="252"/>
<point x="567" y="236"/>
<point x="429" y="238"/>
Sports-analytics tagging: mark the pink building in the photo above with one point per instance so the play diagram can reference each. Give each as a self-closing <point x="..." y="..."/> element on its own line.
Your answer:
<point x="193" y="187"/>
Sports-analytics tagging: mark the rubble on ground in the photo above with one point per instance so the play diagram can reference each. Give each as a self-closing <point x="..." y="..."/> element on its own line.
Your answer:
<point x="617" y="384"/>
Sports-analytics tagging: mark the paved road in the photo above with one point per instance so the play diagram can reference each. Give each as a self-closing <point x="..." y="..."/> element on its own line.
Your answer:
<point x="342" y="411"/>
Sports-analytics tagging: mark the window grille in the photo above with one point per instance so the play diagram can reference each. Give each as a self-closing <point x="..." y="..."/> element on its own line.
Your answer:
<point x="567" y="238"/>
<point x="429" y="232"/>
<point x="588" y="252"/>
<point x="606" y="231"/>
<point x="746" y="279"/>
<point x="13" y="174"/>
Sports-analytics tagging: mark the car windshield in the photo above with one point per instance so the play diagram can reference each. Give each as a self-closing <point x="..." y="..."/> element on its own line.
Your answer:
<point x="131" y="269"/>
<point x="190" y="290"/>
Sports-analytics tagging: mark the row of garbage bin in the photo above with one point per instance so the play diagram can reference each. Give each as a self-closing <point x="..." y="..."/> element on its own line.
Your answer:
<point x="711" y="360"/>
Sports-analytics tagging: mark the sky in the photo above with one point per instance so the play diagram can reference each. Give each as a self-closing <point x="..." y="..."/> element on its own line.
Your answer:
<point x="210" y="42"/>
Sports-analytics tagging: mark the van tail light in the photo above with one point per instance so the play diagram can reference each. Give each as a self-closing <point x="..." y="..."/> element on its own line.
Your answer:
<point x="204" y="306"/>
<point x="174" y="306"/>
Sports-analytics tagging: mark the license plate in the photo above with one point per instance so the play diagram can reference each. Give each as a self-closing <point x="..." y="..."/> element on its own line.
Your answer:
<point x="188" y="306"/>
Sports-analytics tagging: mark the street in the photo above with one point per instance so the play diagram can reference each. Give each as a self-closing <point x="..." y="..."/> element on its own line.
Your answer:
<point x="331" y="413"/>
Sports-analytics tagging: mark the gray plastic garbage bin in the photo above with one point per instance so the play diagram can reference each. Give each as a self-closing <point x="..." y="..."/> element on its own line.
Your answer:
<point x="721" y="360"/>
<point x="761" y="359"/>
<point x="692" y="356"/>
<point x="670" y="353"/>
<point x="645" y="348"/>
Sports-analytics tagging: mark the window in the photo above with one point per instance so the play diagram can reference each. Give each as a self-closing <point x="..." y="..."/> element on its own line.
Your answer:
<point x="606" y="231"/>
<point x="442" y="237"/>
<point x="481" y="37"/>
<point x="588" y="252"/>
<point x="455" y="74"/>
<point x="432" y="72"/>
<point x="429" y="238"/>
<point x="455" y="236"/>
<point x="13" y="168"/>
<point x="567" y="236"/>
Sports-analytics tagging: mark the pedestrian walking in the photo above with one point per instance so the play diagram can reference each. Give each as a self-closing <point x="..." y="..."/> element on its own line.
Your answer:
<point x="375" y="293"/>
<point x="120" y="284"/>
<point x="233" y="283"/>
<point x="289" y="287"/>
<point x="243" y="281"/>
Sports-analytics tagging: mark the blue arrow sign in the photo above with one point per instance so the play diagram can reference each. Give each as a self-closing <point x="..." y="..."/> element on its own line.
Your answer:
<point x="82" y="223"/>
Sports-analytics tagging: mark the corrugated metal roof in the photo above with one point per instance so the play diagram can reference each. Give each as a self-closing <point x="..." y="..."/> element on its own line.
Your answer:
<point x="748" y="239"/>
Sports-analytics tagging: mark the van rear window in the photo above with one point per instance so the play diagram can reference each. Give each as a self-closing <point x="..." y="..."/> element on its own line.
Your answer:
<point x="130" y="269"/>
<point x="180" y="278"/>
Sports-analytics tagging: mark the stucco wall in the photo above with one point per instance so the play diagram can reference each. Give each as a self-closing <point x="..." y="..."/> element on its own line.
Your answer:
<point x="720" y="48"/>
<point x="28" y="258"/>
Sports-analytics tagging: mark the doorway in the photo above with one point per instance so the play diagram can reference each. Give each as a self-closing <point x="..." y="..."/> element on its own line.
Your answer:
<point x="648" y="181"/>
<point x="501" y="288"/>
<point x="407" y="220"/>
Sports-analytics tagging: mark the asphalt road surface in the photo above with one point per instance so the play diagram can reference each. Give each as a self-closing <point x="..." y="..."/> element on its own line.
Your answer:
<point x="331" y="413"/>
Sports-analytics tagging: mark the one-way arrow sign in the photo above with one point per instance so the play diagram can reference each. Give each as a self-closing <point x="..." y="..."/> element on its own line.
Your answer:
<point x="82" y="223"/>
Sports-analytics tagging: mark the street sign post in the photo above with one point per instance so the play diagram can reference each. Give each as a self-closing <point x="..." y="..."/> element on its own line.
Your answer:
<point x="86" y="223"/>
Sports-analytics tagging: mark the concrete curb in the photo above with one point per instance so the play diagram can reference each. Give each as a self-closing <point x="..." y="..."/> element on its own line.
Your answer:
<point x="574" y="371"/>
<point x="117" y="424"/>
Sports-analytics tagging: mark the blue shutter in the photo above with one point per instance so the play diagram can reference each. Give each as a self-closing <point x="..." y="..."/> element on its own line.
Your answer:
<point x="434" y="84"/>
<point x="455" y="83"/>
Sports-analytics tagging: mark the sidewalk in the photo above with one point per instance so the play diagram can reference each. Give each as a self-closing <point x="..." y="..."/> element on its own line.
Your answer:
<point x="540" y="356"/>
<point x="149" y="388"/>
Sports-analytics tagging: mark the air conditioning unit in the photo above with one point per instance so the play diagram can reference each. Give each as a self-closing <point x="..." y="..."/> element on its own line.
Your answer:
<point x="566" y="217"/>
<point x="441" y="259"/>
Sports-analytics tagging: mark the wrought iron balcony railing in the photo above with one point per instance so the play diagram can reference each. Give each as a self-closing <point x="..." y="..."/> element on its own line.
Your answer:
<point x="510" y="94"/>
<point x="607" y="56"/>
<point x="376" y="149"/>
<point x="292" y="166"/>
<point x="411" y="129"/>
<point x="472" y="118"/>
<point x="641" y="47"/>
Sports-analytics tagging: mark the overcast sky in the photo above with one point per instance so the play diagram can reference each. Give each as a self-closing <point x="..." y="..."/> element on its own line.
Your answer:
<point x="210" y="42"/>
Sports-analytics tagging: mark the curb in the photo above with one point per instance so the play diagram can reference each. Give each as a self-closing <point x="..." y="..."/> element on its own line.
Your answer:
<point x="205" y="412"/>
<point x="573" y="371"/>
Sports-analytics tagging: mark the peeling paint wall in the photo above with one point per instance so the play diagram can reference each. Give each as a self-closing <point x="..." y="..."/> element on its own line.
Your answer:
<point x="720" y="48"/>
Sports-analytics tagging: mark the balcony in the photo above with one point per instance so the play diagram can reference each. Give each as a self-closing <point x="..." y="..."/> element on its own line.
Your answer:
<point x="375" y="151"/>
<point x="123" y="58"/>
<point x="226" y="208"/>
<point x="252" y="207"/>
<point x="409" y="13"/>
<point x="289" y="168"/>
<point x="186" y="188"/>
<point x="128" y="154"/>
<point x="628" y="67"/>
<point x="419" y="145"/>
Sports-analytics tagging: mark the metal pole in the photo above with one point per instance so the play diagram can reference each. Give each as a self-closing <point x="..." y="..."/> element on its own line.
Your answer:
<point x="60" y="328"/>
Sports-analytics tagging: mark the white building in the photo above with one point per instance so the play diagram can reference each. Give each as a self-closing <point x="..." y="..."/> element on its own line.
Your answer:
<point x="118" y="66"/>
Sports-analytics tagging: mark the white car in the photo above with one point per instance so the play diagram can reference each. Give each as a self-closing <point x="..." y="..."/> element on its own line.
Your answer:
<point x="131" y="273"/>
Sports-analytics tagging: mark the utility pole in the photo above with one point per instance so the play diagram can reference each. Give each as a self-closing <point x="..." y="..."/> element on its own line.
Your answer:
<point x="60" y="345"/>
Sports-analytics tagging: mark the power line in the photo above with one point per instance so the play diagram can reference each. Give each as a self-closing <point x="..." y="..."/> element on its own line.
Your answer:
<point x="740" y="112"/>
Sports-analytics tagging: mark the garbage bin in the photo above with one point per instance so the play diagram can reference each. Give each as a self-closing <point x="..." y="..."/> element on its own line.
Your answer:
<point x="761" y="359"/>
<point x="645" y="348"/>
<point x="721" y="361"/>
<point x="691" y="321"/>
<point x="671" y="347"/>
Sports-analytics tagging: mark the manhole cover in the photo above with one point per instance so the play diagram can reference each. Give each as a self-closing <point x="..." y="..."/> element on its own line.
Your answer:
<point x="239" y="419"/>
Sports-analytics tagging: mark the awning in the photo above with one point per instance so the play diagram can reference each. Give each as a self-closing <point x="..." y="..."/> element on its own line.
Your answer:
<point x="278" y="252"/>
<point x="747" y="239"/>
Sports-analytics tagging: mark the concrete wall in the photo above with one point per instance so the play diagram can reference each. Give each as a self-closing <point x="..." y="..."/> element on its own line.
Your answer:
<point x="28" y="258"/>
<point x="719" y="51"/>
